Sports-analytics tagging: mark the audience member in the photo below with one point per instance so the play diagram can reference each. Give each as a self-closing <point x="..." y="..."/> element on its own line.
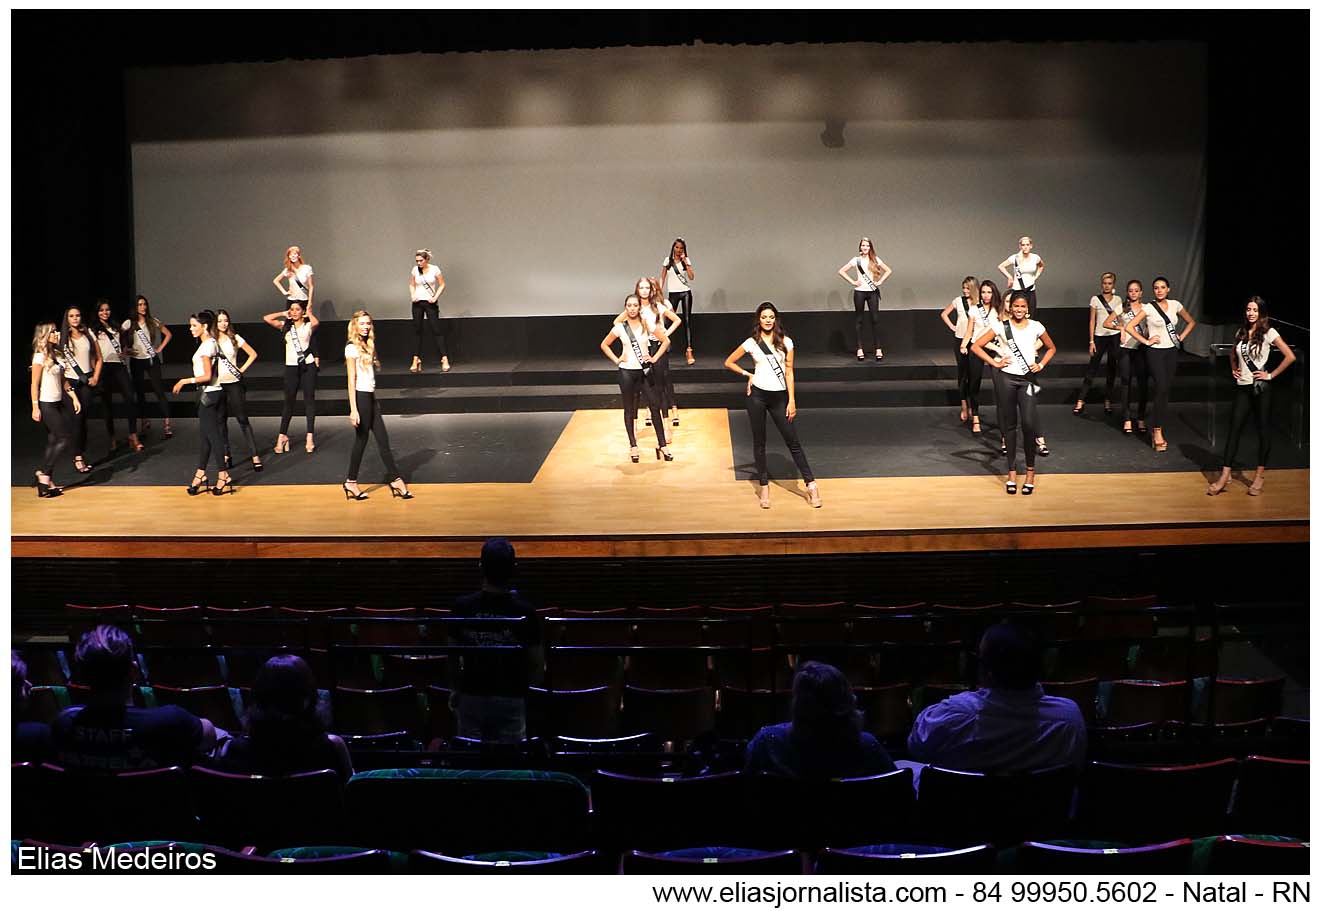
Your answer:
<point x="1007" y="726"/>
<point x="824" y="739"/>
<point x="108" y="734"/>
<point x="31" y="738"/>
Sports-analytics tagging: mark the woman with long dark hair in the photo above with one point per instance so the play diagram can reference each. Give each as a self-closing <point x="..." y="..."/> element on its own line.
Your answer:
<point x="636" y="374"/>
<point x="82" y="368"/>
<point x="298" y="328"/>
<point x="1164" y="343"/>
<point x="228" y="345"/>
<point x="660" y="318"/>
<point x="1253" y="390"/>
<point x="426" y="284"/>
<point x="1131" y="365"/>
<point x="148" y="338"/>
<point x="961" y="307"/>
<point x="53" y="404"/>
<point x="113" y="350"/>
<point x="360" y="362"/>
<point x="677" y="280"/>
<point x="213" y="441"/>
<point x="771" y="392"/>
<point x="869" y="274"/>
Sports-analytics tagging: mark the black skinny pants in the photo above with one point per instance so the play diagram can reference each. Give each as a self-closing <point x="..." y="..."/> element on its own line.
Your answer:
<point x="1019" y="409"/>
<point x="422" y="311"/>
<point x="1260" y="406"/>
<point x="632" y="385"/>
<point x="370" y="422"/>
<point x="141" y="369"/>
<point x="760" y="404"/>
<point x="84" y="393"/>
<point x="682" y="302"/>
<point x="59" y="420"/>
<point x="1161" y="367"/>
<point x="1133" y="366"/>
<point x="969" y="367"/>
<point x="213" y="440"/>
<point x="236" y="406"/>
<point x="872" y="300"/>
<point x="1107" y="346"/>
<point x="661" y="376"/>
<point x="304" y="375"/>
<point x="115" y="378"/>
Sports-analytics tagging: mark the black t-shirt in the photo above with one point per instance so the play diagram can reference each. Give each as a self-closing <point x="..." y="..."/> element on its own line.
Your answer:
<point x="496" y="673"/>
<point x="124" y="738"/>
<point x="31" y="742"/>
<point x="281" y="755"/>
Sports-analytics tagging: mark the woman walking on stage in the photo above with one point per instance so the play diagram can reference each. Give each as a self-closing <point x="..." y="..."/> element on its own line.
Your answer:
<point x="53" y="404"/>
<point x="870" y="273"/>
<point x="1253" y="390"/>
<point x="212" y="438"/>
<point x="228" y="345"/>
<point x="145" y="360"/>
<point x="960" y="327"/>
<point x="426" y="284"/>
<point x="82" y="368"/>
<point x="637" y="377"/>
<point x="298" y="326"/>
<point x="1019" y="365"/>
<point x="657" y="313"/>
<point x="1132" y="364"/>
<point x="771" y="391"/>
<point x="677" y="279"/>
<point x="114" y="373"/>
<point x="1164" y="343"/>
<point x="360" y="361"/>
<point x="1102" y="341"/>
<point x="1022" y="270"/>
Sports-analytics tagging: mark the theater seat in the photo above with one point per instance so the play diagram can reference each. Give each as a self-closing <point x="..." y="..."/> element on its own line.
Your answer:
<point x="1143" y="804"/>
<point x="506" y="863"/>
<point x="1236" y="855"/>
<point x="267" y="811"/>
<point x="1172" y="857"/>
<point x="715" y="861"/>
<point x="906" y="860"/>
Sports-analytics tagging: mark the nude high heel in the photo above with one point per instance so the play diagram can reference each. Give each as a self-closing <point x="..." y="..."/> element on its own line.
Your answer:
<point x="281" y="444"/>
<point x="814" y="496"/>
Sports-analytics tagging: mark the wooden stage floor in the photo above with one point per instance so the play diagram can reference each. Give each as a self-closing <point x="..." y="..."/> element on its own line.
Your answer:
<point x="588" y="500"/>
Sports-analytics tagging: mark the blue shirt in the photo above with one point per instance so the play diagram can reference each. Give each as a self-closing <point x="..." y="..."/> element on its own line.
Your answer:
<point x="1000" y="730"/>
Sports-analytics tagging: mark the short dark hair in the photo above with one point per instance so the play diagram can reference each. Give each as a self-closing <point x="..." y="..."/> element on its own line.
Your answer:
<point x="822" y="704"/>
<point x="1009" y="657"/>
<point x="104" y="657"/>
<point x="284" y="699"/>
<point x="498" y="561"/>
<point x="1019" y="295"/>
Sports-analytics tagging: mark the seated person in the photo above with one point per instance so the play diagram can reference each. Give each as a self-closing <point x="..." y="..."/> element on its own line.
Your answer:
<point x="1007" y="726"/>
<point x="108" y="734"/>
<point x="825" y="739"/>
<point x="31" y="738"/>
<point x="284" y="728"/>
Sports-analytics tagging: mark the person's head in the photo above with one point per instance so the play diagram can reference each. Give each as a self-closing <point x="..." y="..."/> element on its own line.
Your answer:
<point x="224" y="325"/>
<point x="643" y="288"/>
<point x="142" y="308"/>
<point x="498" y="562"/>
<point x="293" y="258"/>
<point x="284" y="698"/>
<point x="678" y="249"/>
<point x="104" y="658"/>
<point x="1134" y="290"/>
<point x="1255" y="322"/>
<point x="988" y="293"/>
<point x="822" y="704"/>
<point x="201" y="323"/>
<point x="1025" y="245"/>
<point x="73" y="319"/>
<point x="103" y="311"/>
<point x="1019" y="306"/>
<point x="631" y="306"/>
<point x="295" y="309"/>
<point x="1008" y="658"/>
<point x="19" y="686"/>
<point x="362" y="332"/>
<point x="865" y="248"/>
<point x="1161" y="287"/>
<point x="969" y="287"/>
<point x="766" y="319"/>
<point x="421" y="258"/>
<point x="1108" y="283"/>
<point x="44" y="337"/>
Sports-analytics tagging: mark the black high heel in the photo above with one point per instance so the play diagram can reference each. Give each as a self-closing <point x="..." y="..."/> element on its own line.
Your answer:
<point x="1042" y="449"/>
<point x="1027" y="491"/>
<point x="1004" y="451"/>
<point x="224" y="487"/>
<point x="199" y="478"/>
<point x="257" y="464"/>
<point x="350" y="495"/>
<point x="633" y="456"/>
<point x="404" y="494"/>
<point x="48" y="490"/>
<point x="662" y="454"/>
<point x="1011" y="488"/>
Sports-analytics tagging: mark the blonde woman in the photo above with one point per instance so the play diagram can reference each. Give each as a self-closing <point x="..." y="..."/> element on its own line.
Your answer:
<point x="870" y="273"/>
<point x="426" y="284"/>
<point x="1022" y="269"/>
<point x="53" y="403"/>
<point x="360" y="361"/>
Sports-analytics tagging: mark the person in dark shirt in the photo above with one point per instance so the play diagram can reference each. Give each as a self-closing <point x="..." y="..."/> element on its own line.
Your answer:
<point x="824" y="739"/>
<point x="110" y="735"/>
<point x="491" y="687"/>
<point x="31" y="738"/>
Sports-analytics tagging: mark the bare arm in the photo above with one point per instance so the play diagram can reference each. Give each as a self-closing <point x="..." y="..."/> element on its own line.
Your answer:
<point x="166" y="335"/>
<point x="1113" y="321"/>
<point x="1132" y="324"/>
<point x="284" y="292"/>
<point x="844" y="273"/>
<point x="673" y="318"/>
<point x="312" y="286"/>
<point x="252" y="356"/>
<point x="1092" y="328"/>
<point x="885" y="273"/>
<point x="732" y="363"/>
<point x="978" y="349"/>
<point x="1188" y="318"/>
<point x="440" y="286"/>
<point x="945" y="317"/>
<point x="1287" y="356"/>
<point x="96" y="357"/>
<point x="1009" y="278"/>
<point x="1050" y="352"/>
<point x="36" y="391"/>
<point x="606" y="348"/>
<point x="352" y="369"/>
<point x="790" y="409"/>
<point x="277" y="319"/>
<point x="660" y="335"/>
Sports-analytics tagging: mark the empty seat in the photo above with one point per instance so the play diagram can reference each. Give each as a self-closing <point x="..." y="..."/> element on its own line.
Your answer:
<point x="659" y="629"/>
<point x="375" y="717"/>
<point x="844" y="811"/>
<point x="907" y="860"/>
<point x="886" y="711"/>
<point x="1082" y="692"/>
<point x="268" y="811"/>
<point x="578" y="630"/>
<point x="1087" y="658"/>
<point x="1237" y="855"/>
<point x="960" y="807"/>
<point x="1143" y="702"/>
<point x="570" y="668"/>
<point x="213" y="703"/>
<point x="387" y="629"/>
<point x="78" y="807"/>
<point x="1172" y="857"/>
<point x="747" y="626"/>
<point x="817" y="609"/>
<point x="592" y="712"/>
<point x="667" y="669"/>
<point x="677" y="715"/>
<point x="1142" y="804"/>
<point x="83" y="617"/>
<point x="1174" y="658"/>
<point x="160" y="626"/>
<point x="743" y="712"/>
<point x="715" y="861"/>
<point x="46" y="666"/>
<point x="753" y="669"/>
<point x="508" y="862"/>
<point x="1272" y="797"/>
<point x="415" y="670"/>
<point x="1235" y="700"/>
<point x="180" y="668"/>
<point x="669" y="813"/>
<point x="316" y="620"/>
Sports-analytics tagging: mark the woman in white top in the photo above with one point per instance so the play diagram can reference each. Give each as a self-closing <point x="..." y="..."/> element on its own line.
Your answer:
<point x="298" y="327"/>
<point x="1102" y="341"/>
<point x="657" y="313"/>
<point x="360" y="362"/>
<point x="961" y="307"/>
<point x="426" y="284"/>
<point x="677" y="280"/>
<point x="1022" y="270"/>
<point x="1253" y="389"/>
<point x="869" y="274"/>
<point x="1018" y="364"/>
<point x="82" y="368"/>
<point x="113" y="347"/>
<point x="1163" y="341"/>
<point x="212" y="438"/>
<point x="1132" y="362"/>
<point x="228" y="345"/>
<point x="771" y="391"/>
<point x="148" y="338"/>
<point x="637" y="376"/>
<point x="53" y="404"/>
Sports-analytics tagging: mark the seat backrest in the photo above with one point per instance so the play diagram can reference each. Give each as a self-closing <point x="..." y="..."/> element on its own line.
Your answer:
<point x="675" y="715"/>
<point x="668" y="813"/>
<point x="1143" y="701"/>
<point x="907" y="859"/>
<point x="1145" y="804"/>
<point x="382" y="711"/>
<point x="1273" y="797"/>
<point x="1246" y="700"/>
<point x="1172" y="857"/>
<point x="592" y="712"/>
<point x="959" y="807"/>
<point x="268" y="811"/>
<point x="1237" y="855"/>
<point x="844" y="811"/>
<point x="508" y="863"/>
<point x="129" y="806"/>
<point x="716" y="861"/>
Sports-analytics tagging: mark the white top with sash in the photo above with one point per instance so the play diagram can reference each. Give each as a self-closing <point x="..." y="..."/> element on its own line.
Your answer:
<point x="364" y="372"/>
<point x="207" y="350"/>
<point x="961" y="315"/>
<point x="865" y="280"/>
<point x="1156" y="326"/>
<point x="144" y="342"/>
<point x="299" y="275"/>
<point x="52" y="380"/>
<point x="1025" y="271"/>
<point x="630" y="359"/>
<point x="676" y="278"/>
<point x="229" y="349"/>
<point x="764" y="375"/>
<point x="111" y="349"/>
<point x="1257" y="357"/>
<point x="1103" y="311"/>
<point x="424" y="283"/>
<point x="1026" y="338"/>
<point x="292" y="350"/>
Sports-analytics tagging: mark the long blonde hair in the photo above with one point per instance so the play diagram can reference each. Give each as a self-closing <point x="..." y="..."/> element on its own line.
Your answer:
<point x="874" y="265"/>
<point x="41" y="344"/>
<point x="366" y="349"/>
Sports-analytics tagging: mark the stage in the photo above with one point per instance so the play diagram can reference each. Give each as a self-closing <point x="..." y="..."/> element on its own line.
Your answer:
<point x="894" y="480"/>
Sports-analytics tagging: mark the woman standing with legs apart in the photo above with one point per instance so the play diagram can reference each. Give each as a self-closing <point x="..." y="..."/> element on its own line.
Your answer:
<point x="53" y="404"/>
<point x="426" y="283"/>
<point x="1019" y="388"/>
<point x="228" y="345"/>
<point x="360" y="362"/>
<point x="870" y="272"/>
<point x="677" y="279"/>
<point x="1022" y="270"/>
<point x="297" y="324"/>
<point x="1164" y="343"/>
<point x="961" y="306"/>
<point x="82" y="368"/>
<point x="1132" y="364"/>
<point x="1253" y="390"/>
<point x="661" y="319"/>
<point x="771" y="391"/>
<point x="636" y="373"/>
<point x="1102" y="341"/>
<point x="149" y="337"/>
<point x="114" y="373"/>
<point x="213" y="441"/>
